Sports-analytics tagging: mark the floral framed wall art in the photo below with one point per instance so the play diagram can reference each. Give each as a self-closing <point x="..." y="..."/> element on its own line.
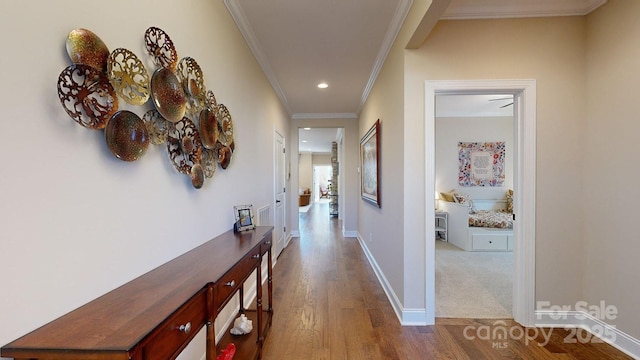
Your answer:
<point x="481" y="163"/>
<point x="369" y="165"/>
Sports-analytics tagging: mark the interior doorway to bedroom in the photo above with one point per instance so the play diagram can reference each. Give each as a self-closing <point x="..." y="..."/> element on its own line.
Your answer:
<point x="474" y="280"/>
<point x="524" y="98"/>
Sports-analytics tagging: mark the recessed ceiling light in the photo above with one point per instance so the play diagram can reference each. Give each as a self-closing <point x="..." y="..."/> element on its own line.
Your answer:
<point x="323" y="85"/>
<point x="304" y="141"/>
<point x="307" y="128"/>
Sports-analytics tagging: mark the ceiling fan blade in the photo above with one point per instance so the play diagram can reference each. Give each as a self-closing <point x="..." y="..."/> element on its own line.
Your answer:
<point x="504" y="106"/>
<point x="504" y="98"/>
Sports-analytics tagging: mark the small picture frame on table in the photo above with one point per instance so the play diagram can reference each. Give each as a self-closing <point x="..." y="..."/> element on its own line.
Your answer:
<point x="244" y="218"/>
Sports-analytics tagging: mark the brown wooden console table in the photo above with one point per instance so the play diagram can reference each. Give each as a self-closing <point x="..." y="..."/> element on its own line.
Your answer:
<point x="157" y="314"/>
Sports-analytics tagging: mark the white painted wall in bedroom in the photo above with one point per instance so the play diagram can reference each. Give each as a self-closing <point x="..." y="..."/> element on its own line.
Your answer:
<point x="450" y="131"/>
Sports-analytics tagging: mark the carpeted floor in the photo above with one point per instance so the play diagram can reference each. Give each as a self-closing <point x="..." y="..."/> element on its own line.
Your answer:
<point x="473" y="284"/>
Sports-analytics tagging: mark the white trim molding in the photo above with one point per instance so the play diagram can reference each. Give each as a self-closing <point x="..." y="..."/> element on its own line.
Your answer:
<point x="524" y="92"/>
<point x="599" y="329"/>
<point x="511" y="9"/>
<point x="238" y="15"/>
<point x="349" y="233"/>
<point x="387" y="43"/>
<point x="406" y="316"/>
<point x="298" y="116"/>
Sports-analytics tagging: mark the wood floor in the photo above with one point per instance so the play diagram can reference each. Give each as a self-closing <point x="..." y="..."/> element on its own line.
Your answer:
<point x="328" y="304"/>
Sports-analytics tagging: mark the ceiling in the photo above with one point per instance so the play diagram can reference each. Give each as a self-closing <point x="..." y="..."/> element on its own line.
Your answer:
<point x="300" y="43"/>
<point x="317" y="140"/>
<point x="474" y="105"/>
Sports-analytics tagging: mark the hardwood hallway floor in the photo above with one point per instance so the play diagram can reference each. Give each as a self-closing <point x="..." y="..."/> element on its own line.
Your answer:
<point x="328" y="304"/>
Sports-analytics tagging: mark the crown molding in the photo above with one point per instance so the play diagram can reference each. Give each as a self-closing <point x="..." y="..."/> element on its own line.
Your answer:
<point x="238" y="15"/>
<point x="324" y="116"/>
<point x="506" y="9"/>
<point x="394" y="28"/>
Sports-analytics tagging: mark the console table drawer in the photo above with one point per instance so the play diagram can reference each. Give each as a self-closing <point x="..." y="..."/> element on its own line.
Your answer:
<point x="265" y="246"/>
<point x="231" y="280"/>
<point x="178" y="329"/>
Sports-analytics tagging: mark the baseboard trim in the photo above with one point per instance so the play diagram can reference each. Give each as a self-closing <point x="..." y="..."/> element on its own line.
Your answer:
<point x="349" y="233"/>
<point x="598" y="328"/>
<point x="407" y="317"/>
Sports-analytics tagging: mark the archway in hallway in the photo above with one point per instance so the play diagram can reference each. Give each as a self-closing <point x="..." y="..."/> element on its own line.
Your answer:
<point x="315" y="167"/>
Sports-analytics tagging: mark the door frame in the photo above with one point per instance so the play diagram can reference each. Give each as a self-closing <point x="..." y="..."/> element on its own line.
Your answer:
<point x="524" y="92"/>
<point x="280" y="244"/>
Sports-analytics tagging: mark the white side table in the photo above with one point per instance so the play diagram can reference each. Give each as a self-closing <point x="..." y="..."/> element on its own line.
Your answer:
<point x="441" y="225"/>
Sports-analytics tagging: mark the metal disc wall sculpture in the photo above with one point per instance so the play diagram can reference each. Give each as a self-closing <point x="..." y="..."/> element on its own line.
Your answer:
<point x="128" y="76"/>
<point x="184" y="145"/>
<point x="225" y="144"/>
<point x="85" y="47"/>
<point x="157" y="126"/>
<point x="192" y="80"/>
<point x="127" y="136"/>
<point x="87" y="95"/>
<point x="185" y="115"/>
<point x="160" y="47"/>
<point x="168" y="95"/>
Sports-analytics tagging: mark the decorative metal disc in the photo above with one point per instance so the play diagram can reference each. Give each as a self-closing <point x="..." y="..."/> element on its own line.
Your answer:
<point x="87" y="96"/>
<point x="208" y="128"/>
<point x="85" y="47"/>
<point x="224" y="155"/>
<point x="225" y="125"/>
<point x="209" y="162"/>
<point x="192" y="80"/>
<point x="128" y="76"/>
<point x="197" y="176"/>
<point x="127" y="136"/>
<point x="168" y="95"/>
<point x="161" y="48"/>
<point x="157" y="126"/>
<point x="184" y="145"/>
<point x="211" y="102"/>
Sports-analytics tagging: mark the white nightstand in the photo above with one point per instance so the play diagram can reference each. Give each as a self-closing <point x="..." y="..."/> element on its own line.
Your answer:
<point x="441" y="225"/>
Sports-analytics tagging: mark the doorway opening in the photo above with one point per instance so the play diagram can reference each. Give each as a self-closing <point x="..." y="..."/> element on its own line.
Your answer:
<point x="474" y="266"/>
<point x="319" y="151"/>
<point x="321" y="183"/>
<point x="524" y="105"/>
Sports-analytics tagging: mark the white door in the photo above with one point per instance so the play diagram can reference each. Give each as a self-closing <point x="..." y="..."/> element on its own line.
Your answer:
<point x="279" y="216"/>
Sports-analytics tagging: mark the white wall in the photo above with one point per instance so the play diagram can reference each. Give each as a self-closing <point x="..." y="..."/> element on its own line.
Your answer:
<point x="76" y="221"/>
<point x="321" y="159"/>
<point x="550" y="50"/>
<point x="451" y="131"/>
<point x="305" y="171"/>
<point x="610" y="156"/>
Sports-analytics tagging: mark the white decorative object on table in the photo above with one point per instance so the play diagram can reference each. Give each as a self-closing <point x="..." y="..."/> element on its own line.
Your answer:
<point x="241" y="325"/>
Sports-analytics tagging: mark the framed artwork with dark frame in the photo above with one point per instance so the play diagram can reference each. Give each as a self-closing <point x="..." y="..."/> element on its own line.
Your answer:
<point x="244" y="217"/>
<point x="369" y="165"/>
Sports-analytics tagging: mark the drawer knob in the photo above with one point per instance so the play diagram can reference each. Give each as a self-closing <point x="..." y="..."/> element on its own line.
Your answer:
<point x="231" y="283"/>
<point x="256" y="256"/>
<point x="185" y="328"/>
